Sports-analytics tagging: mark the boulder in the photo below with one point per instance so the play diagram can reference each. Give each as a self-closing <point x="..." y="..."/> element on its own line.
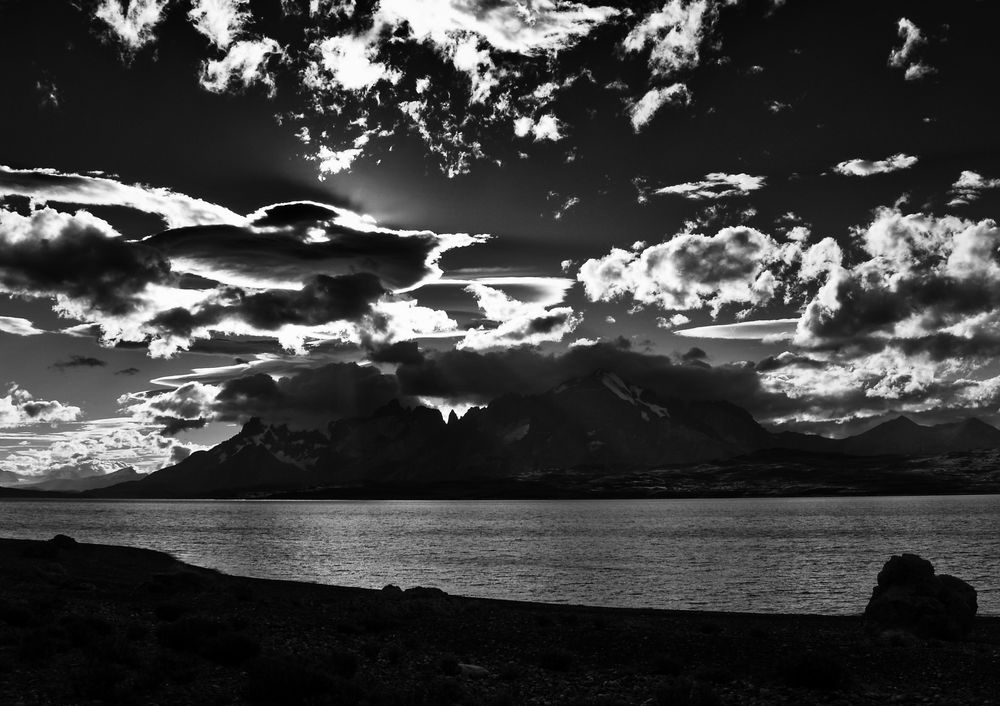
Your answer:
<point x="910" y="597"/>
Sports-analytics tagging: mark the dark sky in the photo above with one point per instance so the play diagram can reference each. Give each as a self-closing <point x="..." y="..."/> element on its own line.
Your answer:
<point x="486" y="196"/>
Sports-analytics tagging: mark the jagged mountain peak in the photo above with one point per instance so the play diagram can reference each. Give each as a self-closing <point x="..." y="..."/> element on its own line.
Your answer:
<point x="613" y="383"/>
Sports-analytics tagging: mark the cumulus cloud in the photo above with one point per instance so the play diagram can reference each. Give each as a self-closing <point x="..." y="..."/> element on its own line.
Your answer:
<point x="924" y="275"/>
<point x="222" y="21"/>
<point x="673" y="35"/>
<point x="969" y="187"/>
<point x="131" y="21"/>
<point x="20" y="408"/>
<point x="518" y="323"/>
<point x="102" y="444"/>
<point x="48" y="185"/>
<point x="690" y="271"/>
<point x="867" y="167"/>
<point x="715" y="185"/>
<point x="641" y="112"/>
<point x="18" y="326"/>
<point x="77" y="259"/>
<point x="903" y="57"/>
<point x="245" y="64"/>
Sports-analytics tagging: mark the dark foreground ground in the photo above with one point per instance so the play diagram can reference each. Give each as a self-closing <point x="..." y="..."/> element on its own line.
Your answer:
<point x="89" y="623"/>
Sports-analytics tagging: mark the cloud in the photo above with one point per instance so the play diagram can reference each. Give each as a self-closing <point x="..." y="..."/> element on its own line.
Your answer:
<point x="244" y="65"/>
<point x="969" y="187"/>
<point x="134" y="23"/>
<point x="690" y="271"/>
<point x="923" y="275"/>
<point x="222" y="21"/>
<point x="546" y="127"/>
<point x="128" y="371"/>
<point x="867" y="167"/>
<point x="106" y="444"/>
<point x="478" y="377"/>
<point x="17" y="326"/>
<point x="20" y="408"/>
<point x="715" y="185"/>
<point x="518" y="323"/>
<point x="672" y="321"/>
<point x="308" y="398"/>
<point x="79" y="361"/>
<point x="77" y="259"/>
<point x="903" y="57"/>
<point x="287" y="244"/>
<point x="542" y="26"/>
<point x="673" y="35"/>
<point x="641" y="112"/>
<point x="49" y="185"/>
<point x="771" y="329"/>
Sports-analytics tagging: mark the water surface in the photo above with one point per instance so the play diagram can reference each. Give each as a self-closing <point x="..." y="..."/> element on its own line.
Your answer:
<point x="810" y="555"/>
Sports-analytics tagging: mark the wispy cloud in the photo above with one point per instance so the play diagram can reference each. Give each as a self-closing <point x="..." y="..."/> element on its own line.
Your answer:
<point x="868" y="167"/>
<point x="715" y="185"/>
<point x="17" y="326"/>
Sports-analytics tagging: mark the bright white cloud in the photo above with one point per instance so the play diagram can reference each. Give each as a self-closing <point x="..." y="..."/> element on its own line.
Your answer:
<point x="902" y="57"/>
<point x="773" y="329"/>
<point x="715" y="185"/>
<point x="672" y="34"/>
<point x="969" y="187"/>
<point x="134" y="23"/>
<point x="518" y="322"/>
<point x="221" y="21"/>
<point x="244" y="65"/>
<point x="867" y="167"/>
<point x="18" y="327"/>
<point x="643" y="110"/>
<point x="176" y="209"/>
<point x="688" y="272"/>
<point x="20" y="408"/>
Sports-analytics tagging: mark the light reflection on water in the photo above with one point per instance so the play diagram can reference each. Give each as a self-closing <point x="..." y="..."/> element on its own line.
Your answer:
<point x="812" y="555"/>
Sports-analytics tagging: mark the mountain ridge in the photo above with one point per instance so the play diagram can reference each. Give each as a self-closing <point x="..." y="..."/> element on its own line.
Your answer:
<point x="595" y="424"/>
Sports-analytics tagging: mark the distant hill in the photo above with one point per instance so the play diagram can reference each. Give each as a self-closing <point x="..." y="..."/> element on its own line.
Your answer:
<point x="904" y="437"/>
<point x="595" y="426"/>
<point x="87" y="482"/>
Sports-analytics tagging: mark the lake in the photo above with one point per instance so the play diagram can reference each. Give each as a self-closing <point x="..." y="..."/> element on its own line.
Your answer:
<point x="802" y="555"/>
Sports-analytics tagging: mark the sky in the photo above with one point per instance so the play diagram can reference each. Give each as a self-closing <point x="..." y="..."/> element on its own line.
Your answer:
<point x="302" y="209"/>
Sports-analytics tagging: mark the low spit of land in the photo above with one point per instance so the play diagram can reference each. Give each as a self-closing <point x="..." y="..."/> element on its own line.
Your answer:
<point x="84" y="623"/>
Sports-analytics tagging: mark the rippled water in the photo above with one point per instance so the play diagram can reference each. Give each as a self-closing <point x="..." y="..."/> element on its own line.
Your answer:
<point x="813" y="555"/>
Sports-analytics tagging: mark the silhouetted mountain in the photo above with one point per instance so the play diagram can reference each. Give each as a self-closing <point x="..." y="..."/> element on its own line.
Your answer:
<point x="10" y="478"/>
<point x="904" y="437"/>
<point x="87" y="482"/>
<point x="598" y="425"/>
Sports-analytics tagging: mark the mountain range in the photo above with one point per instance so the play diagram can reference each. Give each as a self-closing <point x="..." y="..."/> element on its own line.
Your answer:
<point x="596" y="426"/>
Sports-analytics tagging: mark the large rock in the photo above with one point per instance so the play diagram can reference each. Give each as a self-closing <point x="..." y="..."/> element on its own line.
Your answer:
<point x="910" y="597"/>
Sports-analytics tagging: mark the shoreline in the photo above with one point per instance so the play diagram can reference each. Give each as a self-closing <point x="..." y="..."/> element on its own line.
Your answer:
<point x="82" y="623"/>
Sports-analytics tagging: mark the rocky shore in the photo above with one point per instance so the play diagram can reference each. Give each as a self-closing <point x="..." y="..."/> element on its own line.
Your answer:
<point x="83" y="623"/>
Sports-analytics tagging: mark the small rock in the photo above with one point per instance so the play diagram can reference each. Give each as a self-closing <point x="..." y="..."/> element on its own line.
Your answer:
<point x="424" y="592"/>
<point x="62" y="541"/>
